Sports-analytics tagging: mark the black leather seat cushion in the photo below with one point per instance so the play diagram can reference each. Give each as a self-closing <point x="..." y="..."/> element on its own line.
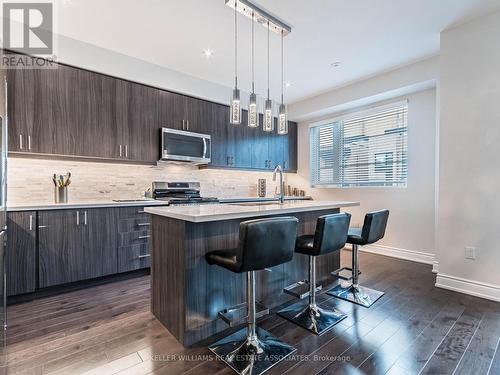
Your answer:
<point x="372" y="231"/>
<point x="262" y="243"/>
<point x="330" y="235"/>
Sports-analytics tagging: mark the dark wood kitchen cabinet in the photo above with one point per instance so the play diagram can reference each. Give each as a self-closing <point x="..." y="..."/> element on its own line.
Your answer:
<point x="72" y="112"/>
<point x="76" y="245"/>
<point x="20" y="257"/>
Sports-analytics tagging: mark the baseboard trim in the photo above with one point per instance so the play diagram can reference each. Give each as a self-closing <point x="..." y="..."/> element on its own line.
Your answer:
<point x="435" y="267"/>
<point x="471" y="287"/>
<point x="414" y="256"/>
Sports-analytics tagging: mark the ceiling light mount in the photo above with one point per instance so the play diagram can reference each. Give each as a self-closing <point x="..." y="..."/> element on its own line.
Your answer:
<point x="259" y="15"/>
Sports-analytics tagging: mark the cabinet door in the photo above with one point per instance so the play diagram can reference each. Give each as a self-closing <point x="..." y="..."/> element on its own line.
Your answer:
<point x="100" y="241"/>
<point x="61" y="251"/>
<point x="20" y="107"/>
<point x="240" y="143"/>
<point x="198" y="115"/>
<point x="260" y="147"/>
<point x="220" y="136"/>
<point x="138" y="117"/>
<point x="276" y="148"/>
<point x="20" y="258"/>
<point x="172" y="110"/>
<point x="95" y="126"/>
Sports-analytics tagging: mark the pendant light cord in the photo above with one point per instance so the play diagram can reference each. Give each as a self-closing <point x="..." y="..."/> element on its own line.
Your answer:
<point x="282" y="66"/>
<point x="253" y="58"/>
<point x="235" y="44"/>
<point x="268" y="59"/>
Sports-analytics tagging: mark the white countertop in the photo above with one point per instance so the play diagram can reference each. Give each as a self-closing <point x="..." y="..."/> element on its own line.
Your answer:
<point x="83" y="204"/>
<point x="214" y="212"/>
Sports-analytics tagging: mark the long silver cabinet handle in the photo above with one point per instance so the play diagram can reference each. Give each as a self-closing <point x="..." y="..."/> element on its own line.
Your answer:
<point x="77" y="217"/>
<point x="20" y="141"/>
<point x="126" y="151"/>
<point x="143" y="256"/>
<point x="85" y="217"/>
<point x="29" y="142"/>
<point x="31" y="222"/>
<point x="143" y="224"/>
<point x="42" y="226"/>
<point x="143" y="237"/>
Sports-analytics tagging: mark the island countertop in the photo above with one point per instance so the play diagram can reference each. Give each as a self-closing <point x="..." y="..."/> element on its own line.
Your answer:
<point x="200" y="213"/>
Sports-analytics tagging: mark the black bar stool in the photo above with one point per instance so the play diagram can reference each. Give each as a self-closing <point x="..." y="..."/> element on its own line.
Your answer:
<point x="330" y="236"/>
<point x="263" y="243"/>
<point x="372" y="231"/>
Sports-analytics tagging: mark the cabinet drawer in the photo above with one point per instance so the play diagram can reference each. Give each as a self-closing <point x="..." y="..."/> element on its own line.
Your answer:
<point x="134" y="238"/>
<point x="132" y="212"/>
<point x="133" y="257"/>
<point x="134" y="224"/>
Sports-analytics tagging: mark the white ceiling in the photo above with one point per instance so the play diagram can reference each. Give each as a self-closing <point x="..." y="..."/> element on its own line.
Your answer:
<point x="366" y="36"/>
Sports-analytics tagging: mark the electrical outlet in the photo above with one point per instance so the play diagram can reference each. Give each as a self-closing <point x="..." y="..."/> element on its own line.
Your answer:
<point x="470" y="252"/>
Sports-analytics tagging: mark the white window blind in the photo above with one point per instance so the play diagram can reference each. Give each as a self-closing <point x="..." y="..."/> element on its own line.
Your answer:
<point x="364" y="149"/>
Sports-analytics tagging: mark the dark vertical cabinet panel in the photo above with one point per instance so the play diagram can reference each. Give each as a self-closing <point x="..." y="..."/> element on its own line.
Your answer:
<point x="21" y="101"/>
<point x="60" y="248"/>
<point x="76" y="245"/>
<point x="171" y="110"/>
<point x="138" y="120"/>
<point x="220" y="135"/>
<point x="20" y="258"/>
<point x="101" y="241"/>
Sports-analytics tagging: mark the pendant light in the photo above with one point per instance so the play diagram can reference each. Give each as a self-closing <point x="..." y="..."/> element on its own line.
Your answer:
<point x="253" y="107"/>
<point x="268" y="125"/>
<point x="282" y="116"/>
<point x="235" y="110"/>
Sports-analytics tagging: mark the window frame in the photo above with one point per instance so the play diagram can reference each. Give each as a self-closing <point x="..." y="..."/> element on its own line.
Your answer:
<point x="351" y="115"/>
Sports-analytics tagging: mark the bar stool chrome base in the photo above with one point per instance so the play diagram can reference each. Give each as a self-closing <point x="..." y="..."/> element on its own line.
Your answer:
<point x="314" y="319"/>
<point x="251" y="356"/>
<point x="359" y="295"/>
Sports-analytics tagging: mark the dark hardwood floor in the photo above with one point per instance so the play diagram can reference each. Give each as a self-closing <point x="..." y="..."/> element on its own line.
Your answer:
<point x="415" y="328"/>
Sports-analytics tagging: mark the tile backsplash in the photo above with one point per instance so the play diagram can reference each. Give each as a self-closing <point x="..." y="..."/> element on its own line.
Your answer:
<point x="30" y="180"/>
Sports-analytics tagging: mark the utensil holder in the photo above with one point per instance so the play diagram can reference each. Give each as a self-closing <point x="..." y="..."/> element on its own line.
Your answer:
<point x="61" y="194"/>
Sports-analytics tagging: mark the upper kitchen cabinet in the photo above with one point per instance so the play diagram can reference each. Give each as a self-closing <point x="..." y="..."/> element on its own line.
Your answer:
<point x="290" y="148"/>
<point x="137" y="118"/>
<point x="21" y="101"/>
<point x="171" y="110"/>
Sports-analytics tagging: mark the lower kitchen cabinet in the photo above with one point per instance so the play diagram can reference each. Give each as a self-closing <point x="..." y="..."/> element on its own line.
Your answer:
<point x="20" y="257"/>
<point x="75" y="245"/>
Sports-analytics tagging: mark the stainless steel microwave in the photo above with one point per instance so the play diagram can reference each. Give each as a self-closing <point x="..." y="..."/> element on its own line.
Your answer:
<point x="180" y="145"/>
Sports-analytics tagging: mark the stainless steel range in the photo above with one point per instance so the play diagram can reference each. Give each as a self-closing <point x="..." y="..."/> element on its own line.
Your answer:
<point x="176" y="193"/>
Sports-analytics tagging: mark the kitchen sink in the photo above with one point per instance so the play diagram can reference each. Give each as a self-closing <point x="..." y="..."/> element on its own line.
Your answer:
<point x="257" y="204"/>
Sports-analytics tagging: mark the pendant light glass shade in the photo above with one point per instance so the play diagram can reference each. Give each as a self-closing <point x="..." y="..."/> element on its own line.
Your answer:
<point x="235" y="109"/>
<point x="268" y="125"/>
<point x="282" y="115"/>
<point x="253" y="111"/>
<point x="282" y="120"/>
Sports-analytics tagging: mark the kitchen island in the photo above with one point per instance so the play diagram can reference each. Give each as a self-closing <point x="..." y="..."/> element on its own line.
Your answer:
<point x="187" y="293"/>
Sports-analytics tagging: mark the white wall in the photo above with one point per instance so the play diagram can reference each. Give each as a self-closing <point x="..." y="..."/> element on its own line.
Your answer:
<point x="411" y="221"/>
<point x="469" y="181"/>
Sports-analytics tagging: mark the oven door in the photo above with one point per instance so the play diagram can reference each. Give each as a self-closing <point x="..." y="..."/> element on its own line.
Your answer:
<point x="186" y="146"/>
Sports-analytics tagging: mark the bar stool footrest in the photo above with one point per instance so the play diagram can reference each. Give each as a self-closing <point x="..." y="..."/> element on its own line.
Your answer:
<point x="237" y="314"/>
<point x="344" y="273"/>
<point x="300" y="289"/>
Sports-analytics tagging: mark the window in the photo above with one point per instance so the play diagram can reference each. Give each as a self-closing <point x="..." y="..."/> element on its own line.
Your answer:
<point x="361" y="149"/>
